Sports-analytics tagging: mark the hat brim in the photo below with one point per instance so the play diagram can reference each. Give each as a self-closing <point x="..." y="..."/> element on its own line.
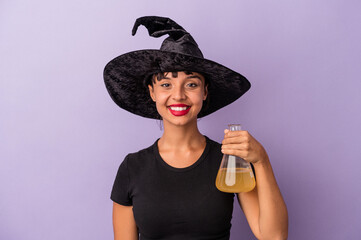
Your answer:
<point x="125" y="75"/>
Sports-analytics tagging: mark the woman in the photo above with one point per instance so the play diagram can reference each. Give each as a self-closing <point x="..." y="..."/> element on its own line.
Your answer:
<point x="167" y="191"/>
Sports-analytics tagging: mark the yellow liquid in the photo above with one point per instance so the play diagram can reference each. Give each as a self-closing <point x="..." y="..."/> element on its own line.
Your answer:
<point x="235" y="180"/>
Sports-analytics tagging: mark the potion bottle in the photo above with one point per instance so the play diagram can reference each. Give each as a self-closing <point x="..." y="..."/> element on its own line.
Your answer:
<point x="235" y="175"/>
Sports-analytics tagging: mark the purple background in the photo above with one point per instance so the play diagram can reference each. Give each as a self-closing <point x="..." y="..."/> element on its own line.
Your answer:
<point x="62" y="138"/>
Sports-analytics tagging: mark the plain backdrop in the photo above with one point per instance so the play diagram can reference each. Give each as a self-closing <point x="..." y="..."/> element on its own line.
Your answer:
<point x="62" y="138"/>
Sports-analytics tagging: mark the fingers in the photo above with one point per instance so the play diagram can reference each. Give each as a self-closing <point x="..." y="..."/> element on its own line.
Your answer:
<point x="235" y="152"/>
<point x="243" y="145"/>
<point x="235" y="140"/>
<point x="242" y="150"/>
<point x="233" y="137"/>
<point x="236" y="143"/>
<point x="236" y="146"/>
<point x="228" y="133"/>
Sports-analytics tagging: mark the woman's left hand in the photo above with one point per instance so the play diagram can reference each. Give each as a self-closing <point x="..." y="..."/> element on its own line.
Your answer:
<point x="243" y="145"/>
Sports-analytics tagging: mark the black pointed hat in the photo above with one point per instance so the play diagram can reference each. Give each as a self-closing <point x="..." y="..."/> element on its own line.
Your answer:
<point x="127" y="75"/>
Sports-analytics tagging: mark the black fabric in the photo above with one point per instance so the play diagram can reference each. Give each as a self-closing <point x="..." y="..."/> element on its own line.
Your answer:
<point x="124" y="76"/>
<point x="175" y="203"/>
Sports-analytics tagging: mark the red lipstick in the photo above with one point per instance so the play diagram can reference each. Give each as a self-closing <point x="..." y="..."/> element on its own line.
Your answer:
<point x="179" y="109"/>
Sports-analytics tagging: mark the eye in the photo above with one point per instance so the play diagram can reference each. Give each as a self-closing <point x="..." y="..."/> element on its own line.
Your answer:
<point x="192" y="85"/>
<point x="166" y="85"/>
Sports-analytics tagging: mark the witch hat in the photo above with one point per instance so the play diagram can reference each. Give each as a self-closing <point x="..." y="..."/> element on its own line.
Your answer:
<point x="126" y="76"/>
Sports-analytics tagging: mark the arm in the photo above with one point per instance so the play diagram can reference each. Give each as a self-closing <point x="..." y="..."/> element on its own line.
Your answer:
<point x="123" y="223"/>
<point x="264" y="206"/>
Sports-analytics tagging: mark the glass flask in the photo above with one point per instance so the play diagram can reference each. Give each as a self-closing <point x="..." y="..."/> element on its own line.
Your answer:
<point x="235" y="175"/>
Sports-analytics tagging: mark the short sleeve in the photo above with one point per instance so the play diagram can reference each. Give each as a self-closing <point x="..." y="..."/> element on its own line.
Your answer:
<point x="120" y="192"/>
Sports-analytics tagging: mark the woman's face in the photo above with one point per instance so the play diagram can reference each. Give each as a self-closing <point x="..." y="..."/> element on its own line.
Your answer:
<point x="179" y="99"/>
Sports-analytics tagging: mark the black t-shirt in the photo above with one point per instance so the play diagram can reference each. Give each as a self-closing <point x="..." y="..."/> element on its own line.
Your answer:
<point x="175" y="203"/>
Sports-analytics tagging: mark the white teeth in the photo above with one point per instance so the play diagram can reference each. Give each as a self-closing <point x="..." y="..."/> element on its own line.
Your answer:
<point x="178" y="108"/>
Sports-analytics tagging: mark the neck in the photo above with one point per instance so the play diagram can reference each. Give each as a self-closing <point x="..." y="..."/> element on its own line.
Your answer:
<point x="184" y="136"/>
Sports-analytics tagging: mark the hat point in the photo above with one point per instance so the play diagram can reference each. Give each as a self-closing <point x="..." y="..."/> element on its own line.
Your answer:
<point x="159" y="26"/>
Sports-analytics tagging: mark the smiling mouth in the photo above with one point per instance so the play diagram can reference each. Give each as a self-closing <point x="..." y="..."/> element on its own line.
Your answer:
<point x="179" y="109"/>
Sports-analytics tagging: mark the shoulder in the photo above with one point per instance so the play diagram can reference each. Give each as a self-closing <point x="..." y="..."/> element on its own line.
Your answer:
<point x="140" y="157"/>
<point x="214" y="149"/>
<point x="141" y="153"/>
<point x="213" y="144"/>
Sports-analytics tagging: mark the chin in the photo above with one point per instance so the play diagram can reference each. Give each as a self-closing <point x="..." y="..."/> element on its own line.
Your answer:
<point x="180" y="122"/>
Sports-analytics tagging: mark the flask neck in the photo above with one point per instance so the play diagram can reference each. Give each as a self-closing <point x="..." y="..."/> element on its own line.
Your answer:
<point x="234" y="127"/>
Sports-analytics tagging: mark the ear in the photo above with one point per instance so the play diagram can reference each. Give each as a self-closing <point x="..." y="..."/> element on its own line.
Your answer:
<point x="151" y="92"/>
<point x="205" y="92"/>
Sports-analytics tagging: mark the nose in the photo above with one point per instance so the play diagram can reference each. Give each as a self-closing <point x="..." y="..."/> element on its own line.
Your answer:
<point x="179" y="93"/>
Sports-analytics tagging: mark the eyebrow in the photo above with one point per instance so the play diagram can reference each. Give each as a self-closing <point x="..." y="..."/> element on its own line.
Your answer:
<point x="188" y="77"/>
<point x="193" y="76"/>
